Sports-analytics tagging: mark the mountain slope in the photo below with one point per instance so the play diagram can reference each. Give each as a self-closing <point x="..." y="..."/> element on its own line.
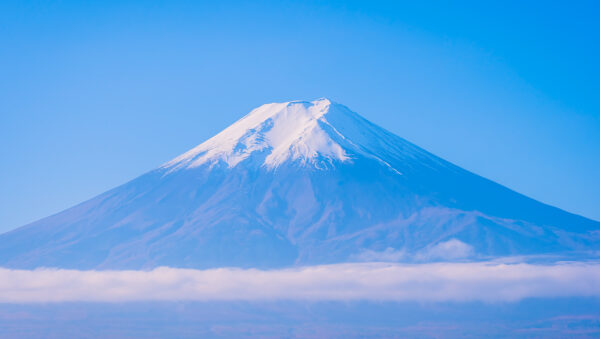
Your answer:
<point x="299" y="183"/>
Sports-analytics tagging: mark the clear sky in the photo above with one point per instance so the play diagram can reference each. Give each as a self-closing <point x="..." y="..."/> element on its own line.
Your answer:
<point x="93" y="94"/>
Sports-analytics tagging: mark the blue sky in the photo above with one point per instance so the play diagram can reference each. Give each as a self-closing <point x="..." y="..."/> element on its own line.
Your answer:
<point x="94" y="94"/>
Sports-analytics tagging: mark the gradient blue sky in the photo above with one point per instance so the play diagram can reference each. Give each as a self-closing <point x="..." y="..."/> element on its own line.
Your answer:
<point x="93" y="94"/>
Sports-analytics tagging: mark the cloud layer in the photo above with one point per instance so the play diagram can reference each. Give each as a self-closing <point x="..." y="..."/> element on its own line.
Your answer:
<point x="488" y="282"/>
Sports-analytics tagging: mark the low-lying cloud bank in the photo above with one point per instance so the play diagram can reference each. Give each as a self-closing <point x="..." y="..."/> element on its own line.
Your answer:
<point x="369" y="281"/>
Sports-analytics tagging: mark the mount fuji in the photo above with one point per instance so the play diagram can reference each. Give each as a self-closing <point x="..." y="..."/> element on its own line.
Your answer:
<point x="299" y="183"/>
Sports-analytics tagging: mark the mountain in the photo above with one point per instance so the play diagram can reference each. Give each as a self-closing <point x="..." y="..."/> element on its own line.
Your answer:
<point x="299" y="183"/>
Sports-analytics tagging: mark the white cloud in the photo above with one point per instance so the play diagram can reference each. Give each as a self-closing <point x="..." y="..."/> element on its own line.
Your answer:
<point x="369" y="281"/>
<point x="449" y="250"/>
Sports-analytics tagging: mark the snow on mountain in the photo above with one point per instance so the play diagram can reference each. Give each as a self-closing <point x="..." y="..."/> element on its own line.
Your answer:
<point x="286" y="131"/>
<point x="315" y="134"/>
<point x="299" y="183"/>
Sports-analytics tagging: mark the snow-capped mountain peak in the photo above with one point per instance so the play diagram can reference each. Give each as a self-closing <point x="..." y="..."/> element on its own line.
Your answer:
<point x="297" y="131"/>
<point x="299" y="183"/>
